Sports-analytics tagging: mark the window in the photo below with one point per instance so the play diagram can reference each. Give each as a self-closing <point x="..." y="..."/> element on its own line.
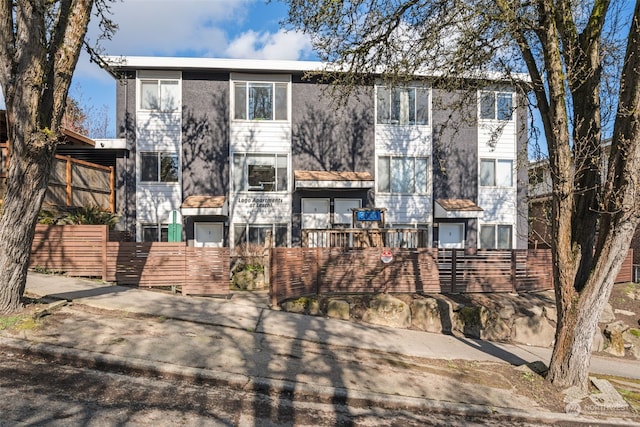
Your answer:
<point x="403" y="106"/>
<point x="496" y="105"/>
<point x="260" y="172"/>
<point x="496" y="173"/>
<point x="159" y="167"/>
<point x="496" y="236"/>
<point x="260" y="101"/>
<point x="159" y="95"/>
<point x="404" y="175"/>
<point x="155" y="233"/>
<point x="256" y="234"/>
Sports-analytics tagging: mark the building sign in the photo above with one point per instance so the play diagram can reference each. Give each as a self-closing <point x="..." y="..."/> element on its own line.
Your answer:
<point x="369" y="215"/>
<point x="260" y="202"/>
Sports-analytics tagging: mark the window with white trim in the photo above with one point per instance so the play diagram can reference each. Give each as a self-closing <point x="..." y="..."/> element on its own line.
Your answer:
<point x="403" y="175"/>
<point x="256" y="234"/>
<point x="159" y="95"/>
<point x="155" y="232"/>
<point x="159" y="166"/>
<point x="496" y="173"/>
<point x="402" y="106"/>
<point x="260" y="172"/>
<point x="260" y="100"/>
<point x="496" y="105"/>
<point x="495" y="236"/>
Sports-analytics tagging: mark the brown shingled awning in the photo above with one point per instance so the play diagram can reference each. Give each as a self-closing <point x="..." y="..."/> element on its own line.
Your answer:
<point x="327" y="179"/>
<point x="457" y="208"/>
<point x="204" y="205"/>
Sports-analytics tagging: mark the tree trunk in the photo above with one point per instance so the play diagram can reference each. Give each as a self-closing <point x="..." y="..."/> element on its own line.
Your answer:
<point x="27" y="180"/>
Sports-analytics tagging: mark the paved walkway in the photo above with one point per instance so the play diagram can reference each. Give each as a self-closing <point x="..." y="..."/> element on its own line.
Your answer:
<point x="248" y="313"/>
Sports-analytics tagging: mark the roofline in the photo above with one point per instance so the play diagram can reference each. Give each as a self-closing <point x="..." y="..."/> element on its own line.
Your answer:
<point x="259" y="65"/>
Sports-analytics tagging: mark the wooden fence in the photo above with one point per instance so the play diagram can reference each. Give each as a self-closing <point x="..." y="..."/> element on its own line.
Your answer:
<point x="84" y="250"/>
<point x="298" y="272"/>
<point x="78" y="183"/>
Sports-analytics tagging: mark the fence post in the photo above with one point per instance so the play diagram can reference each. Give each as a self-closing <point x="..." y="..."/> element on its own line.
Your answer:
<point x="266" y="257"/>
<point x="513" y="270"/>
<point x="453" y="271"/>
<point x="69" y="179"/>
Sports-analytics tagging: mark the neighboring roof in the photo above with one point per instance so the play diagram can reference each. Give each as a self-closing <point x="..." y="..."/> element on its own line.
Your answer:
<point x="457" y="208"/>
<point x="204" y="205"/>
<point x="73" y="137"/>
<point x="330" y="179"/>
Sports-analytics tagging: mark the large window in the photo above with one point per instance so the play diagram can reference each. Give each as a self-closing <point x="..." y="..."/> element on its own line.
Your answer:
<point x="496" y="105"/>
<point x="159" y="95"/>
<point x="260" y="101"/>
<point x="260" y="172"/>
<point x="496" y="236"/>
<point x="256" y="234"/>
<point x="159" y="167"/>
<point x="403" y="106"/>
<point x="155" y="233"/>
<point x="496" y="173"/>
<point x="404" y="175"/>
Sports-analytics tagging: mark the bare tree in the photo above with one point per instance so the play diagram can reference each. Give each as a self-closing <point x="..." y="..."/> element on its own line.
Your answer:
<point x="40" y="41"/>
<point x="579" y="76"/>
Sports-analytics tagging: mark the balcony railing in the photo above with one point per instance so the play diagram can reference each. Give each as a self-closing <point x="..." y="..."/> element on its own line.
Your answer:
<point x="365" y="238"/>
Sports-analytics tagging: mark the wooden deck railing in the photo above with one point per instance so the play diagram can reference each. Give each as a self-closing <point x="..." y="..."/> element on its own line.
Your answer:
<point x="365" y="238"/>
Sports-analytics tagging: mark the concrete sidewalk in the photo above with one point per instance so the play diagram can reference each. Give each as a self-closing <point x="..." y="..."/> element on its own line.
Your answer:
<point x="248" y="340"/>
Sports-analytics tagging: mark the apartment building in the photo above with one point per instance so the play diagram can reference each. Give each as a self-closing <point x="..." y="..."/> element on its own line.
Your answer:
<point x="229" y="150"/>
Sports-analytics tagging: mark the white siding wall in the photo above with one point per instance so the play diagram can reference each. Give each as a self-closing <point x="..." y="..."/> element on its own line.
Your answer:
<point x="405" y="141"/>
<point x="498" y="140"/>
<point x="157" y="131"/>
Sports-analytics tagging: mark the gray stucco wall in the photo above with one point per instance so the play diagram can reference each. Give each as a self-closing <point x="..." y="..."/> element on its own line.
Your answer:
<point x="205" y="134"/>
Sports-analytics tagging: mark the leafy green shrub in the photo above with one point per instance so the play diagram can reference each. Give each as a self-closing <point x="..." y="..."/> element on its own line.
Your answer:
<point x="88" y="215"/>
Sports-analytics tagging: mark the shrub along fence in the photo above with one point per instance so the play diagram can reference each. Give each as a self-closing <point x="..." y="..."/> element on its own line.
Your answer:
<point x="85" y="250"/>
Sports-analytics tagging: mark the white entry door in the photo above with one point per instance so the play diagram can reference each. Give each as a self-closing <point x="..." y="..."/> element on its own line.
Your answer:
<point x="315" y="213"/>
<point x="208" y="234"/>
<point x="342" y="213"/>
<point x="451" y="235"/>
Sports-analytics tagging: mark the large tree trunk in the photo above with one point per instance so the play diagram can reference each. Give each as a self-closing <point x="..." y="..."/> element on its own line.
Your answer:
<point x="26" y="187"/>
<point x="39" y="47"/>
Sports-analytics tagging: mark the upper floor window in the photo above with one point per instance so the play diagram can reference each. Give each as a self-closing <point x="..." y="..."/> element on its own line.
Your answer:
<point x="403" y="175"/>
<point x="402" y="106"/>
<point x="159" y="167"/>
<point x="260" y="101"/>
<point x="260" y="172"/>
<point x="496" y="173"/>
<point x="496" y="105"/>
<point x="159" y="95"/>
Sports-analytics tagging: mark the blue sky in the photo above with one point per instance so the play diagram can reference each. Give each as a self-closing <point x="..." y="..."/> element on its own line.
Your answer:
<point x="191" y="28"/>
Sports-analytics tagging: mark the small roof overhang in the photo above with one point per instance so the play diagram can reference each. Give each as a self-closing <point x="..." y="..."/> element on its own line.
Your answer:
<point x="204" y="205"/>
<point x="339" y="180"/>
<point x="457" y="208"/>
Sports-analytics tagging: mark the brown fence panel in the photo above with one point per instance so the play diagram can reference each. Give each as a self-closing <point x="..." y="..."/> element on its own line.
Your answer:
<point x="147" y="264"/>
<point x="626" y="271"/>
<point x="77" y="250"/>
<point x="207" y="271"/>
<point x="481" y="271"/>
<point x="538" y="272"/>
<point x="293" y="272"/>
<point x="361" y="270"/>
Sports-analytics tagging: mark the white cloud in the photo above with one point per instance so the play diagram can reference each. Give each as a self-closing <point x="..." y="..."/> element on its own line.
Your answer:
<point x="265" y="45"/>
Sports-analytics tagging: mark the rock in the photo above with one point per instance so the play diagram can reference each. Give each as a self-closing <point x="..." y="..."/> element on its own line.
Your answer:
<point x="624" y="312"/>
<point x="425" y="315"/>
<point x="338" y="309"/>
<point x="632" y="338"/>
<point x="608" y="398"/>
<point x="494" y="327"/>
<point x="248" y="280"/>
<point x="386" y="310"/>
<point x="598" y="341"/>
<point x="507" y="311"/>
<point x="607" y="315"/>
<point x="536" y="331"/>
<point x="295" y="306"/>
<point x="613" y="332"/>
